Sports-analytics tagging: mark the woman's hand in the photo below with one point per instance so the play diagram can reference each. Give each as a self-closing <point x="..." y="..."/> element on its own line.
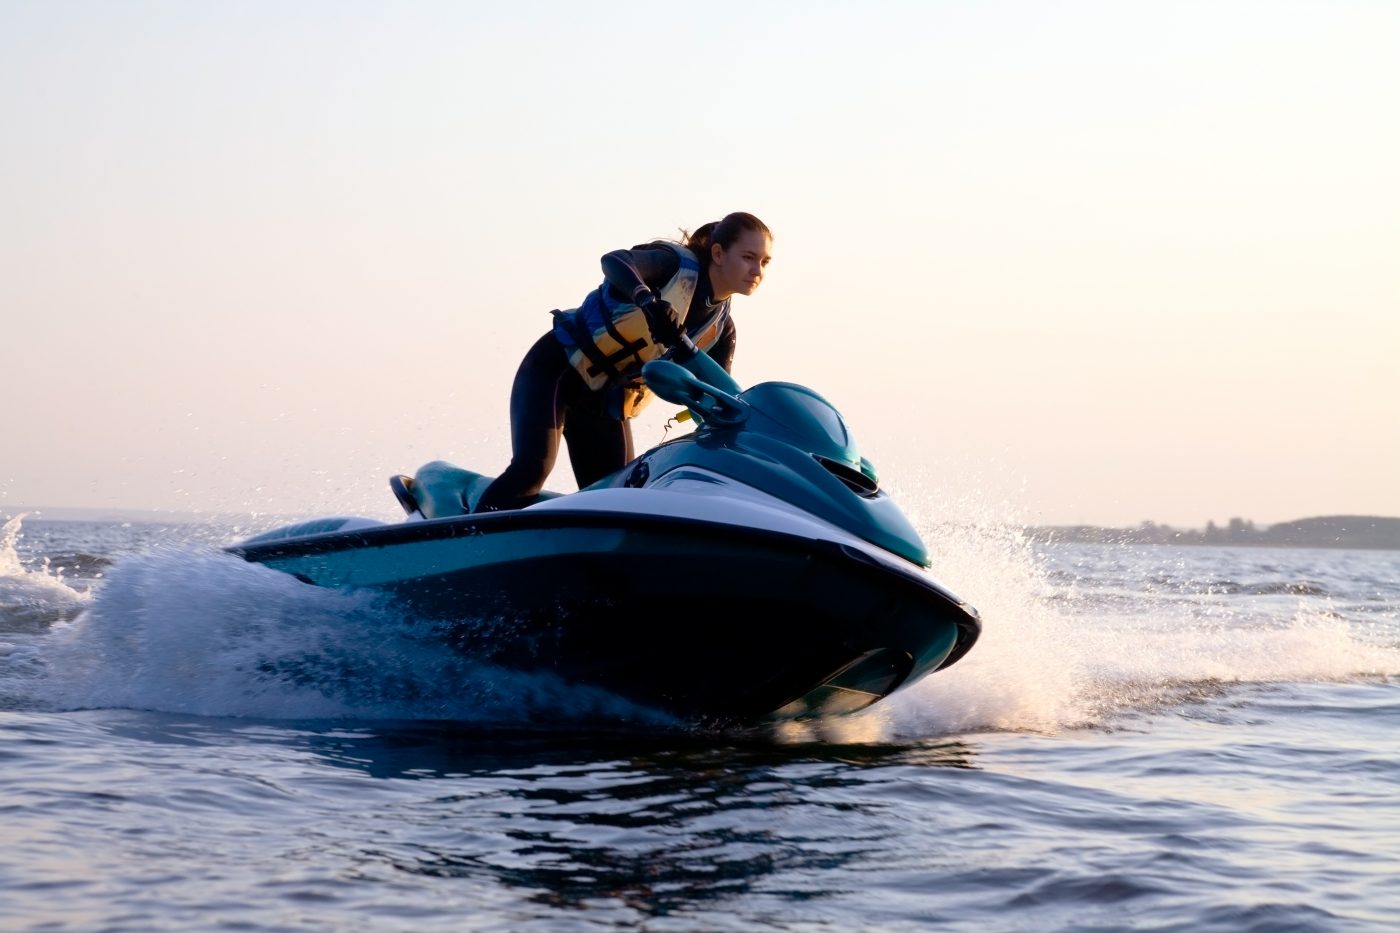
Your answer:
<point x="663" y="320"/>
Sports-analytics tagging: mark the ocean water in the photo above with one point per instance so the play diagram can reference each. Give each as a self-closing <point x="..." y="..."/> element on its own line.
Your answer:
<point x="1164" y="738"/>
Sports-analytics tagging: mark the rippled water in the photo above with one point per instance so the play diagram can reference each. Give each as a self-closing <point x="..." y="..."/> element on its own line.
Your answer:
<point x="1157" y="738"/>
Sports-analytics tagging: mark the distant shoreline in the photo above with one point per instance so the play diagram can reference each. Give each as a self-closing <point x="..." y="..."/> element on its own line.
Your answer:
<point x="1366" y="532"/>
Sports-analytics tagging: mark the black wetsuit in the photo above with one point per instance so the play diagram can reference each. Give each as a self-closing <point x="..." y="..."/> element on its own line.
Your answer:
<point x="549" y="398"/>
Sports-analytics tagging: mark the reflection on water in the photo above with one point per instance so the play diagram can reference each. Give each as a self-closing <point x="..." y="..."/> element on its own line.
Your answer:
<point x="650" y="825"/>
<point x="428" y="750"/>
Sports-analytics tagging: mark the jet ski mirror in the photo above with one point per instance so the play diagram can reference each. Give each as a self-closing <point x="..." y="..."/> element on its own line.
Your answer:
<point x="679" y="386"/>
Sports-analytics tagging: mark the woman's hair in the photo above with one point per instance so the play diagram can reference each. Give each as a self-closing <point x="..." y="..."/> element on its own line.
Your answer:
<point x="724" y="232"/>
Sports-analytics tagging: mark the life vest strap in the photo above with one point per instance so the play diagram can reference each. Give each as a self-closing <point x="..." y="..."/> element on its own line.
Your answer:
<point x="625" y="348"/>
<point x="601" y="363"/>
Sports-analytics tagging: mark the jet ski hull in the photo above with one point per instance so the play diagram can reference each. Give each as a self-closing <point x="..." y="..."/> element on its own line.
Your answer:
<point x="708" y="621"/>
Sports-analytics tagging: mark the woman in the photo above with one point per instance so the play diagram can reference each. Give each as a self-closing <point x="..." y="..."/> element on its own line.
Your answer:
<point x="582" y="380"/>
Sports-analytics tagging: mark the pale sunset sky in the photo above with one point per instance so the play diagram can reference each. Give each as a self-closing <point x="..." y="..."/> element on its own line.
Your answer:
<point x="1087" y="261"/>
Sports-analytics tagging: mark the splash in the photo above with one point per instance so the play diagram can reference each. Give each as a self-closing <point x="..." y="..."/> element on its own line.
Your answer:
<point x="1050" y="660"/>
<point x="205" y="633"/>
<point x="195" y="630"/>
<point x="9" y="546"/>
<point x="31" y="599"/>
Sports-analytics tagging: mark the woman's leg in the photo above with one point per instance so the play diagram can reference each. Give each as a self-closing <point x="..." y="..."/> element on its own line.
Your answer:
<point x="536" y="419"/>
<point x="598" y="443"/>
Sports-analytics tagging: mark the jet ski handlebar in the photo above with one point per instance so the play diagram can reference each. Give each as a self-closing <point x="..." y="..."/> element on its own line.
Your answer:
<point x="678" y="384"/>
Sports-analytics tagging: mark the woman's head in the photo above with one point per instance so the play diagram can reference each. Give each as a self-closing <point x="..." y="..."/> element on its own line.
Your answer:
<point x="734" y="252"/>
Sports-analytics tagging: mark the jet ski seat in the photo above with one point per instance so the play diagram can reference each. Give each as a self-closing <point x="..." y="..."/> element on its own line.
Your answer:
<point x="441" y="490"/>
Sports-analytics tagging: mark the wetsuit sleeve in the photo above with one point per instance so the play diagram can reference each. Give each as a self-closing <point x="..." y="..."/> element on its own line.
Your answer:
<point x="723" y="350"/>
<point x="631" y="272"/>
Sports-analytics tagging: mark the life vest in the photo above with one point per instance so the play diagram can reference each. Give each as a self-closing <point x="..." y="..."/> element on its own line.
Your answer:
<point x="607" y="340"/>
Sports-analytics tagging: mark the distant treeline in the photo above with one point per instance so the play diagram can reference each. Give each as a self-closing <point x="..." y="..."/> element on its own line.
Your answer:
<point x="1342" y="531"/>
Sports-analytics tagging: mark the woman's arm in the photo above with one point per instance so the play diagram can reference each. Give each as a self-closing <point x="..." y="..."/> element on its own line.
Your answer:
<point x="632" y="273"/>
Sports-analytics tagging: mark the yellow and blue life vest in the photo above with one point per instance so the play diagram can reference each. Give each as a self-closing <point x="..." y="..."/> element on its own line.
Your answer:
<point x="607" y="340"/>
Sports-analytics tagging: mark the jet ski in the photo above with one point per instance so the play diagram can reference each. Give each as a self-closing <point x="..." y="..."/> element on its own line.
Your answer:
<point x="750" y="571"/>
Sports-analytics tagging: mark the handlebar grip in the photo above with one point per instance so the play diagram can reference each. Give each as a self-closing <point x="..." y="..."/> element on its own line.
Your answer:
<point x="685" y="348"/>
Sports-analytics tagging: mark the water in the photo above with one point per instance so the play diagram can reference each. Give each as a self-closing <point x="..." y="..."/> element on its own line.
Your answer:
<point x="1168" y="738"/>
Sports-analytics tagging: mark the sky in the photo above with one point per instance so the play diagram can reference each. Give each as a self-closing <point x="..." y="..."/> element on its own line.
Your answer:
<point x="1090" y="262"/>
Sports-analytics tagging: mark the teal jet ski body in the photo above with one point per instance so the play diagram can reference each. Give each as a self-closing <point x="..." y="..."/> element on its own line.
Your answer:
<point x="750" y="571"/>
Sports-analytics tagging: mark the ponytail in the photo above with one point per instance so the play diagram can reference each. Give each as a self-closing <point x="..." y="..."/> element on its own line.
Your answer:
<point x="724" y="232"/>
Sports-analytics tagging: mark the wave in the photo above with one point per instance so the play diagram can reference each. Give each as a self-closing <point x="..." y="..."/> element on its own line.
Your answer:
<point x="205" y="633"/>
<point x="32" y="598"/>
<point x="194" y="630"/>
<point x="1059" y="653"/>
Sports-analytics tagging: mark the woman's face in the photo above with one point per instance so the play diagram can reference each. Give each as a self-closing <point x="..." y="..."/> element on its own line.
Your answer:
<point x="738" y="269"/>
